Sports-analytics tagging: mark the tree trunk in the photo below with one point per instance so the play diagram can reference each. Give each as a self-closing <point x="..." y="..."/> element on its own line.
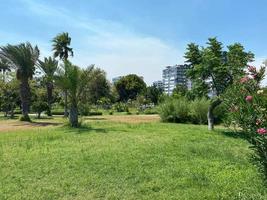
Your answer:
<point x="73" y="117"/>
<point x="66" y="103"/>
<point x="25" y="98"/>
<point x="49" y="88"/>
<point x="39" y="115"/>
<point x="210" y="114"/>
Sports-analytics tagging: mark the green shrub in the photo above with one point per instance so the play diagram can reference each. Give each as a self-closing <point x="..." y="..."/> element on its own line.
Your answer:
<point x="174" y="110"/>
<point x="198" y="111"/>
<point x="246" y="107"/>
<point x="25" y="118"/>
<point x="121" y="107"/>
<point x="151" y="111"/>
<point x="84" y="109"/>
<point x="181" y="110"/>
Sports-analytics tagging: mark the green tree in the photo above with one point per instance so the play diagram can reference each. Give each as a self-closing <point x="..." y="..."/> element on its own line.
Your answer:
<point x="129" y="87"/>
<point x="49" y="67"/>
<point x="219" y="67"/>
<point x="98" y="87"/>
<point x="74" y="80"/>
<point x="23" y="58"/>
<point x="61" y="46"/>
<point x="153" y="94"/>
<point x="9" y="97"/>
<point x="61" y="49"/>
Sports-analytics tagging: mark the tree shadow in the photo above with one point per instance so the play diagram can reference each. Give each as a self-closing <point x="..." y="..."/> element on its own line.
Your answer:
<point x="39" y="124"/>
<point x="95" y="118"/>
<point x="236" y="134"/>
<point x="84" y="129"/>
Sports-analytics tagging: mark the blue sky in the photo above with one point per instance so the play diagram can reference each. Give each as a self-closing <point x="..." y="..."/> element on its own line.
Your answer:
<point x="135" y="36"/>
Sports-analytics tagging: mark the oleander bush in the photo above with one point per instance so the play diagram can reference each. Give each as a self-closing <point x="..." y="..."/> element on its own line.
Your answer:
<point x="247" y="110"/>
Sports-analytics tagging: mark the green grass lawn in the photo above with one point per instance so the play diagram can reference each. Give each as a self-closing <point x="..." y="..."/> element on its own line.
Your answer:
<point x="109" y="160"/>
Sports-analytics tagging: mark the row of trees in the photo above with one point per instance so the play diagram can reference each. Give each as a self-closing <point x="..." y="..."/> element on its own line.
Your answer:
<point x="37" y="84"/>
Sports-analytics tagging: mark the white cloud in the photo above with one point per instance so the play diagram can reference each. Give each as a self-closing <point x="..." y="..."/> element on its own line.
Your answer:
<point x="110" y="45"/>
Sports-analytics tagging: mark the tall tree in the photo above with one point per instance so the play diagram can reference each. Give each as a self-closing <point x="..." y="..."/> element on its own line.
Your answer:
<point x="49" y="67"/>
<point x="74" y="80"/>
<point x="61" y="49"/>
<point x="61" y="46"/>
<point x="213" y="68"/>
<point x="98" y="86"/>
<point x="23" y="58"/>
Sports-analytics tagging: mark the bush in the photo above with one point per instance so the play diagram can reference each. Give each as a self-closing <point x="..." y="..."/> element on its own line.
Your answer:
<point x="25" y="118"/>
<point x="198" y="111"/>
<point x="84" y="109"/>
<point x="247" y="109"/>
<point x="121" y="107"/>
<point x="174" y="110"/>
<point x="181" y="110"/>
<point x="151" y="111"/>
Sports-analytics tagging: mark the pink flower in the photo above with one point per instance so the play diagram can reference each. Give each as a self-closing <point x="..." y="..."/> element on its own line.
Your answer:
<point x="262" y="131"/>
<point x="251" y="68"/>
<point x="244" y="79"/>
<point x="249" y="98"/>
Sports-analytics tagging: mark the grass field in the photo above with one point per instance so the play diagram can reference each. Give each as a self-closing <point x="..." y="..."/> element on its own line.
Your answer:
<point x="112" y="158"/>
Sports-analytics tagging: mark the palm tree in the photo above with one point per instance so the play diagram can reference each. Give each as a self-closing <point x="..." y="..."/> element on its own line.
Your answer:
<point x="62" y="50"/>
<point x="73" y="79"/>
<point x="4" y="67"/>
<point x="23" y="58"/>
<point x="49" y="67"/>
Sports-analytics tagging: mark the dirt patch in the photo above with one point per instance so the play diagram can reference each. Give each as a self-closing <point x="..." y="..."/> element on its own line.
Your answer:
<point x="17" y="125"/>
<point x="132" y="119"/>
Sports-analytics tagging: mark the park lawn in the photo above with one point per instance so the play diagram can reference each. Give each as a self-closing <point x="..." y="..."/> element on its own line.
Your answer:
<point x="112" y="160"/>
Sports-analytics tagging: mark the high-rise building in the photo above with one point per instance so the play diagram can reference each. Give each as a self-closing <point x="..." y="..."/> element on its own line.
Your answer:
<point x="158" y="84"/>
<point x="173" y="75"/>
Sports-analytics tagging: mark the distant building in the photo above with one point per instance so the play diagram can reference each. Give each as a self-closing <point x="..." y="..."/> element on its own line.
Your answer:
<point x="173" y="75"/>
<point x="158" y="84"/>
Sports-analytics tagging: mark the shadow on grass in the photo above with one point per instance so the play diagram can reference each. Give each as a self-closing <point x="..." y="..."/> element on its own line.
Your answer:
<point x="8" y="118"/>
<point x="84" y="129"/>
<point x="235" y="134"/>
<point x="95" y="118"/>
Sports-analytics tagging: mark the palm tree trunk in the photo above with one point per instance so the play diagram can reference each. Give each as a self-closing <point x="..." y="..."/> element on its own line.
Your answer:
<point x="210" y="114"/>
<point x="66" y="103"/>
<point x="73" y="117"/>
<point x="49" y="88"/>
<point x="25" y="99"/>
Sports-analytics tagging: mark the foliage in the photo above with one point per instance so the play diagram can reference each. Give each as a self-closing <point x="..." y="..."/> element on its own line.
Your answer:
<point x="121" y="107"/>
<point x="74" y="80"/>
<point x="129" y="87"/>
<point x="198" y="111"/>
<point x="247" y="110"/>
<point x="213" y="69"/>
<point x="153" y="94"/>
<point x="49" y="67"/>
<point x="9" y="97"/>
<point x="180" y="109"/>
<point x="174" y="110"/>
<point x="61" y="45"/>
<point x="98" y="87"/>
<point x="23" y="58"/>
<point x="39" y="107"/>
